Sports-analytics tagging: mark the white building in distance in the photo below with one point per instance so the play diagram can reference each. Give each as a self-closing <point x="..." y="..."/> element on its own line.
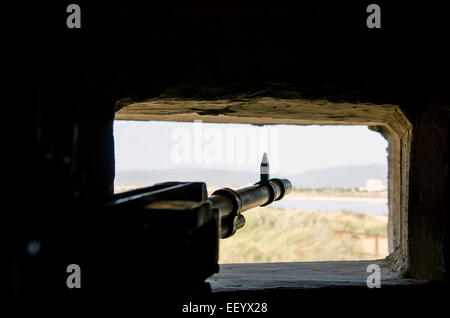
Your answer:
<point x="374" y="185"/>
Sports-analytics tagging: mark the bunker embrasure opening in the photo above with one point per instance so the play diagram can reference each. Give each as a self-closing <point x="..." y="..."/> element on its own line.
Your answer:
<point x="338" y="207"/>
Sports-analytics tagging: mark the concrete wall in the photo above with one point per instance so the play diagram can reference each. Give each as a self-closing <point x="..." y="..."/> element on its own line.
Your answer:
<point x="429" y="188"/>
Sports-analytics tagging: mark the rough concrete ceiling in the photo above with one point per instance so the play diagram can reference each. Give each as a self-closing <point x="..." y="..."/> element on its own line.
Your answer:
<point x="264" y="110"/>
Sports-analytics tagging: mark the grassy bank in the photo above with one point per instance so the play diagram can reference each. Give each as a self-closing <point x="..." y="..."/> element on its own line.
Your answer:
<point x="276" y="235"/>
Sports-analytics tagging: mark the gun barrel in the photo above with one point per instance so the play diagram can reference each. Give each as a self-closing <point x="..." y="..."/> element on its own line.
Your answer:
<point x="231" y="203"/>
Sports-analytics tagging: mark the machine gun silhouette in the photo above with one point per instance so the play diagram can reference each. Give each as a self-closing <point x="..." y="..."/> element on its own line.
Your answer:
<point x="167" y="236"/>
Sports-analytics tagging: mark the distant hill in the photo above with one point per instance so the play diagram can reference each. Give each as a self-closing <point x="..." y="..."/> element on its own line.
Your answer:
<point x="340" y="177"/>
<point x="211" y="177"/>
<point x="336" y="177"/>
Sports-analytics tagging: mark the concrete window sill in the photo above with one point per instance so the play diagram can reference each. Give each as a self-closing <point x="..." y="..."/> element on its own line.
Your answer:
<point x="304" y="275"/>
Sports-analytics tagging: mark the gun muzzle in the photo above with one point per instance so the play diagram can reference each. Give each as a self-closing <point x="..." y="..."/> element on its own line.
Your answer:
<point x="231" y="203"/>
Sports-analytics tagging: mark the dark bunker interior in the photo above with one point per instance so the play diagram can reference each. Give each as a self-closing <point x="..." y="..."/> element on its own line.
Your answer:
<point x="302" y="63"/>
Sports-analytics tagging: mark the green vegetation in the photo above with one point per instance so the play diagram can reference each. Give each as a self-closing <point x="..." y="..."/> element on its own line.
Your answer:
<point x="277" y="235"/>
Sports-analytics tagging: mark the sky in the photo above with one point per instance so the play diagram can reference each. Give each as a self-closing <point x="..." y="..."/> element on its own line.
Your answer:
<point x="153" y="145"/>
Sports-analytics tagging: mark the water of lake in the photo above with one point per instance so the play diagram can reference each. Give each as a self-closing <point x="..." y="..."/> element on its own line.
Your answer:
<point x="365" y="207"/>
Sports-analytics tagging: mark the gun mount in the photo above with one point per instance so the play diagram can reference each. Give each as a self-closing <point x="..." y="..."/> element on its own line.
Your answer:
<point x="157" y="228"/>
